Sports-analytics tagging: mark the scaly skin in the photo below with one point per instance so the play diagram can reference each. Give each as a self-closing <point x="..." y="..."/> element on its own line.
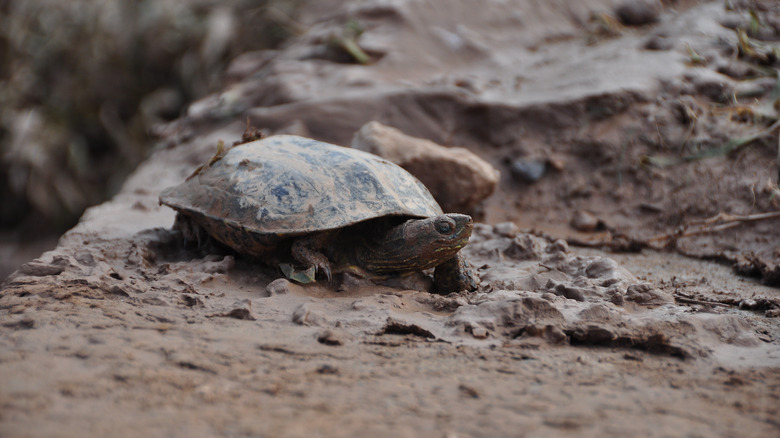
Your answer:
<point x="415" y="245"/>
<point x="454" y="275"/>
<point x="367" y="250"/>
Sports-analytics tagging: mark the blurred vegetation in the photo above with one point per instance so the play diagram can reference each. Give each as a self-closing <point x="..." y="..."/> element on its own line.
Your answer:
<point x="82" y="82"/>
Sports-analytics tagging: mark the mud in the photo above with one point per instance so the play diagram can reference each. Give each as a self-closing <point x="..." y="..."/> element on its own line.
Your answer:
<point x="121" y="328"/>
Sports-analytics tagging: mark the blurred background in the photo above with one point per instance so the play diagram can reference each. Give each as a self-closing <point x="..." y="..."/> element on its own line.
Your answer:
<point x="82" y="82"/>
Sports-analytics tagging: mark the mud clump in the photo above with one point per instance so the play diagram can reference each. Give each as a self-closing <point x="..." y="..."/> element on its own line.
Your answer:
<point x="548" y="293"/>
<point x="585" y="221"/>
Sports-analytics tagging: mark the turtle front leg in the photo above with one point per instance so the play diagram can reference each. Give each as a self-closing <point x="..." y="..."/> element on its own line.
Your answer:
<point x="454" y="275"/>
<point x="307" y="251"/>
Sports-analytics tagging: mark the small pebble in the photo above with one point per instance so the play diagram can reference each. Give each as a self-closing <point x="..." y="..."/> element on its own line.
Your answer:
<point x="528" y="171"/>
<point x="40" y="269"/>
<point x="506" y="229"/>
<point x="658" y="42"/>
<point x="584" y="221"/>
<point x="572" y="293"/>
<point x="478" y="331"/>
<point x="559" y="245"/>
<point x="602" y="267"/>
<point x="328" y="337"/>
<point x="524" y="247"/>
<point x="468" y="391"/>
<point x="638" y="12"/>
<point x="241" y="310"/>
<point x="557" y="163"/>
<point x="24" y="323"/>
<point x="280" y="286"/>
<point x="305" y="315"/>
<point x="219" y="266"/>
<point x="327" y="369"/>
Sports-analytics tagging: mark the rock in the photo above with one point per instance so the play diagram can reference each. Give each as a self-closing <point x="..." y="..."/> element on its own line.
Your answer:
<point x="306" y="315"/>
<point x="328" y="369"/>
<point x="506" y="229"/>
<point x="280" y="286"/>
<point x="240" y="313"/>
<point x="219" y="266"/>
<point x="593" y="334"/>
<point x="602" y="267"/>
<point x="38" y="269"/>
<point x="524" y="247"/>
<point x="585" y="222"/>
<point x="478" y="331"/>
<point x="558" y="246"/>
<point x="396" y="327"/>
<point x="528" y="170"/>
<point x="468" y="391"/>
<point x="658" y="42"/>
<point x="646" y="294"/>
<point x="240" y="310"/>
<point x="638" y="12"/>
<point x="331" y="337"/>
<point x="41" y="268"/>
<point x="714" y="86"/>
<point x="23" y="323"/>
<point x="527" y="315"/>
<point x="186" y="299"/>
<point x="456" y="177"/>
<point x="570" y="292"/>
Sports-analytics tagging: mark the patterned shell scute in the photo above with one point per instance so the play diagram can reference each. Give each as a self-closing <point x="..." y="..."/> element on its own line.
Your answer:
<point x="289" y="185"/>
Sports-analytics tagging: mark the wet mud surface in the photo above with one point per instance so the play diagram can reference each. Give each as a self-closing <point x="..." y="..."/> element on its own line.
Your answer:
<point x="122" y="327"/>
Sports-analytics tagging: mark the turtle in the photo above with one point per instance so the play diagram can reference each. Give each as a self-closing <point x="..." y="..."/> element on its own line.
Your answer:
<point x="324" y="208"/>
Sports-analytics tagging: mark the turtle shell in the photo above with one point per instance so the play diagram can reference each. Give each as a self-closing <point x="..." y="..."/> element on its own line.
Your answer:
<point x="284" y="186"/>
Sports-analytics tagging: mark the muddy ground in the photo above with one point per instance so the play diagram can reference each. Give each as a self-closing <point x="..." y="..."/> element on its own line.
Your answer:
<point x="601" y="326"/>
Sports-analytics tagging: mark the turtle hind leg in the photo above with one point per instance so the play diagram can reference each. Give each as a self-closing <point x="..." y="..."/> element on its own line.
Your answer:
<point x="307" y="251"/>
<point x="454" y="275"/>
<point x="190" y="230"/>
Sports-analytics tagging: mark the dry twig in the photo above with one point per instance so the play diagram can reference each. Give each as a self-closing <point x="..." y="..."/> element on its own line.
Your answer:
<point x="719" y="222"/>
<point x="683" y="299"/>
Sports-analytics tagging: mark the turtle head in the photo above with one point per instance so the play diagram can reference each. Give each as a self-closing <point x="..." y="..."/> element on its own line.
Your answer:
<point x="447" y="233"/>
<point x="419" y="244"/>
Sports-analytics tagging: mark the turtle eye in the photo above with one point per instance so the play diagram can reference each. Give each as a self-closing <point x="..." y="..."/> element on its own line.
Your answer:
<point x="445" y="226"/>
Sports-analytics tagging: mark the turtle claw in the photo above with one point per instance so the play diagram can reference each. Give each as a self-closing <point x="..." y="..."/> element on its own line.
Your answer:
<point x="306" y="250"/>
<point x="329" y="275"/>
<point x="325" y="268"/>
